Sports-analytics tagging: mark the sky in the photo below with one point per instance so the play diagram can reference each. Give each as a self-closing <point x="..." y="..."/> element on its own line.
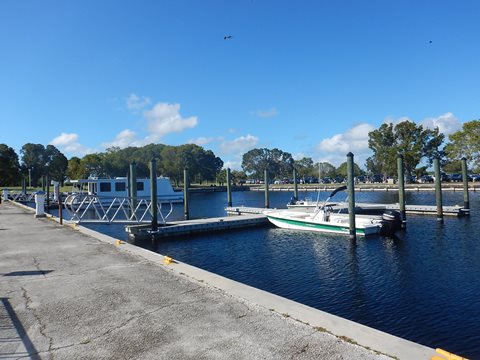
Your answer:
<point x="311" y="78"/>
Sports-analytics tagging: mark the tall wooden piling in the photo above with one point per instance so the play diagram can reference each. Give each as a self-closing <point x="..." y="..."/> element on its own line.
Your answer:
<point x="153" y="194"/>
<point x="132" y="186"/>
<point x="466" y="200"/>
<point x="295" y="185"/>
<point x="267" y="198"/>
<point x="47" y="181"/>
<point x="229" y="188"/>
<point x="351" y="196"/>
<point x="186" y="210"/>
<point x="401" y="189"/>
<point x="438" y="189"/>
<point x="24" y="186"/>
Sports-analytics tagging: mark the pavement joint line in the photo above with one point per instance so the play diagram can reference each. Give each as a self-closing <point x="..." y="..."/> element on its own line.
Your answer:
<point x="344" y="329"/>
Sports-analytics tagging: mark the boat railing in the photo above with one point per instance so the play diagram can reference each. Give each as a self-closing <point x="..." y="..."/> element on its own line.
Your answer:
<point x="94" y="209"/>
<point x="20" y="196"/>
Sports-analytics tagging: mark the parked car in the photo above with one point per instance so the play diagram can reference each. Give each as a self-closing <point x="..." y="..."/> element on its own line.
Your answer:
<point x="360" y="179"/>
<point x="425" y="179"/>
<point x="456" y="177"/>
<point x="410" y="179"/>
<point x="376" y="179"/>
<point x="339" y="180"/>
<point x="445" y="177"/>
<point x="326" y="180"/>
<point x="475" y="177"/>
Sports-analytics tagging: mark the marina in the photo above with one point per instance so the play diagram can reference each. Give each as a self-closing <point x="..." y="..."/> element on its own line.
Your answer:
<point x="392" y="284"/>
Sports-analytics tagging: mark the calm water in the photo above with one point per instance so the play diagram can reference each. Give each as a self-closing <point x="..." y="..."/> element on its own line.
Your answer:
<point x="423" y="286"/>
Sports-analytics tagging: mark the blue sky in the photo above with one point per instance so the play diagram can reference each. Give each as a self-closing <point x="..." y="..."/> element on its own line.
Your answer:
<point x="308" y="77"/>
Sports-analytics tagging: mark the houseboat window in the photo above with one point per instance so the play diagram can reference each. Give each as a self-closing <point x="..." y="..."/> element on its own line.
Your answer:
<point x="120" y="186"/>
<point x="140" y="186"/>
<point x="105" y="187"/>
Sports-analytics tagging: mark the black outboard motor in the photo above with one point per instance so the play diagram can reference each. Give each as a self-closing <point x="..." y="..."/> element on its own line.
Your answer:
<point x="391" y="222"/>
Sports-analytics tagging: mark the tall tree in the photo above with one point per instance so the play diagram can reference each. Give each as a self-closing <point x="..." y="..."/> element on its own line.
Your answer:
<point x="342" y="170"/>
<point x="275" y="161"/>
<point x="33" y="159"/>
<point x="76" y="169"/>
<point x="407" y="138"/>
<point x="305" y="167"/>
<point x="9" y="166"/>
<point x="56" y="163"/>
<point x="325" y="169"/>
<point x="466" y="143"/>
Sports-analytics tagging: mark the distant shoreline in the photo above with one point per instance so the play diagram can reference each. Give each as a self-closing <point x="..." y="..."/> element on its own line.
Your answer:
<point x="456" y="187"/>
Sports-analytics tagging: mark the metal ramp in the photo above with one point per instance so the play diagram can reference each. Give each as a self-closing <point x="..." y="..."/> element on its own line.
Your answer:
<point x="83" y="208"/>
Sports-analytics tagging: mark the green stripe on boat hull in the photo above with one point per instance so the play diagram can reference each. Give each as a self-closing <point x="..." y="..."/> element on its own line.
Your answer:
<point x="320" y="227"/>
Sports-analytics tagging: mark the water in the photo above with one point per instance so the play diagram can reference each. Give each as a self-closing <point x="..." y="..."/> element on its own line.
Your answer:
<point x="423" y="286"/>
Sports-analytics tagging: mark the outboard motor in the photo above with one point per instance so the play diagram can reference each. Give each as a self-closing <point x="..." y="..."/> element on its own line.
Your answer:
<point x="391" y="222"/>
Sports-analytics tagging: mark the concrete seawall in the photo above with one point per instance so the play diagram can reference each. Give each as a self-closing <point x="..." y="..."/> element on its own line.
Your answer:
<point x="74" y="293"/>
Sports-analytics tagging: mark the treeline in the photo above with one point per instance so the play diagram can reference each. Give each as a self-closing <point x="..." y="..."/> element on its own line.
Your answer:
<point x="202" y="164"/>
<point x="418" y="145"/>
<point x="36" y="160"/>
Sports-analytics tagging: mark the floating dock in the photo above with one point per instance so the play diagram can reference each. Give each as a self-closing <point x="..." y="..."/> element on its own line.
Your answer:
<point x="189" y="227"/>
<point x="455" y="210"/>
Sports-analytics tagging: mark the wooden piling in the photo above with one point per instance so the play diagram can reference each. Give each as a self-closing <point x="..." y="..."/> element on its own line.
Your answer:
<point x="401" y="189"/>
<point x="153" y="194"/>
<point x="47" y="181"/>
<point x="466" y="200"/>
<point x="229" y="188"/>
<point x="295" y="185"/>
<point x="351" y="196"/>
<point x="438" y="189"/>
<point x="267" y="200"/>
<point x="186" y="210"/>
<point x="133" y="185"/>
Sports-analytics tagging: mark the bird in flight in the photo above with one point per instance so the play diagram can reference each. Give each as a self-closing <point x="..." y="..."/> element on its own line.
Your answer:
<point x="227" y="37"/>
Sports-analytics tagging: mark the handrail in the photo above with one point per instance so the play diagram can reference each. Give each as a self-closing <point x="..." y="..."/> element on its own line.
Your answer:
<point x="92" y="208"/>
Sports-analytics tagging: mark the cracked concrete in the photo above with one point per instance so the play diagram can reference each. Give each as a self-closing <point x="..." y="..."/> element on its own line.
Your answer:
<point x="82" y="298"/>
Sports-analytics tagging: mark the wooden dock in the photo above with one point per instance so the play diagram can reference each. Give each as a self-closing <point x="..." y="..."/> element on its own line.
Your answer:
<point x="190" y="227"/>
<point x="455" y="210"/>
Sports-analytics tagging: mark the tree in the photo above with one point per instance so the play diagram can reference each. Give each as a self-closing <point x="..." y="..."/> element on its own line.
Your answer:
<point x="9" y="166"/>
<point x="305" y="167"/>
<point x="275" y="161"/>
<point x="33" y="159"/>
<point x="407" y="138"/>
<point x="56" y="163"/>
<point x="342" y="170"/>
<point x="325" y="169"/>
<point x="94" y="165"/>
<point x="466" y="143"/>
<point x="76" y="169"/>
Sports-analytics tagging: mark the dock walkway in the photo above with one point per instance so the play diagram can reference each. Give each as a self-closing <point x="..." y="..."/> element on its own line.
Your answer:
<point x="186" y="227"/>
<point x="72" y="293"/>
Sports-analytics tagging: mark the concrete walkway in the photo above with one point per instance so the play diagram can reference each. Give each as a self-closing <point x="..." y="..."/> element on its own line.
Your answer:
<point x="68" y="295"/>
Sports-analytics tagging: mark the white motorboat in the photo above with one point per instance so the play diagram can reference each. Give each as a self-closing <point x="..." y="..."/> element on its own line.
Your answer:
<point x="332" y="217"/>
<point x="324" y="220"/>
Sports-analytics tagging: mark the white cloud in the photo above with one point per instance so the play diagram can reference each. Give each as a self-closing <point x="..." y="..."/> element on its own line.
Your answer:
<point x="165" y="118"/>
<point x="162" y="119"/>
<point x="232" y="164"/>
<point x="135" y="102"/>
<point x="201" y="140"/>
<point x="68" y="143"/>
<point x="354" y="140"/>
<point x="267" y="113"/>
<point x="446" y="123"/>
<point x="239" y="145"/>
<point x="124" y="139"/>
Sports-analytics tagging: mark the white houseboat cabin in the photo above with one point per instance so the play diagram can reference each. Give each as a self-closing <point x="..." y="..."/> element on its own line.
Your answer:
<point x="118" y="187"/>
